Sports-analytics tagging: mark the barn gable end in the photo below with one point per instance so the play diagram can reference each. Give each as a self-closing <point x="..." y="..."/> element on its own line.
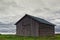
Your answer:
<point x="27" y="27"/>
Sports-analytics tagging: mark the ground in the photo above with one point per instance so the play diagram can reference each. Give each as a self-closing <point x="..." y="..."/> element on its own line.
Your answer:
<point x="14" y="37"/>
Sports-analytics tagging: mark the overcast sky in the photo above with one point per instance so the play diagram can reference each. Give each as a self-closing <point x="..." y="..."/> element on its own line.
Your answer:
<point x="12" y="10"/>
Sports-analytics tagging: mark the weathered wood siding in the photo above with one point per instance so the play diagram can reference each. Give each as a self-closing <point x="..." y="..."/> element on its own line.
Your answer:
<point x="27" y="27"/>
<point x="46" y="30"/>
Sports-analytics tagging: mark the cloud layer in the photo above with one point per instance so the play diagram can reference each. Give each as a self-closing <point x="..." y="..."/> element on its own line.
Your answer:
<point x="12" y="10"/>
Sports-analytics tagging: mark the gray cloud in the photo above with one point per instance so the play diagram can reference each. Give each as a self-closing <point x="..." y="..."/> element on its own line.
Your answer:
<point x="7" y="28"/>
<point x="12" y="10"/>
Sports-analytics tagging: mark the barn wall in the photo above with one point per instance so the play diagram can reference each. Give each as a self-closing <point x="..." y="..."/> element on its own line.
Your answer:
<point x="35" y="28"/>
<point x="46" y="30"/>
<point x="27" y="27"/>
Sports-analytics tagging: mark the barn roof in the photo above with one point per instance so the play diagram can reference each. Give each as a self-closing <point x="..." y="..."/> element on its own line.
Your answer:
<point x="37" y="19"/>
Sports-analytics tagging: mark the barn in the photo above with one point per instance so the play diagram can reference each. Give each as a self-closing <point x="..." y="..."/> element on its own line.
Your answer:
<point x="30" y="25"/>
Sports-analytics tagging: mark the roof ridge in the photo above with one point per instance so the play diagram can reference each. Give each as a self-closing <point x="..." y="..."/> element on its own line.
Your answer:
<point x="37" y="19"/>
<point x="40" y="19"/>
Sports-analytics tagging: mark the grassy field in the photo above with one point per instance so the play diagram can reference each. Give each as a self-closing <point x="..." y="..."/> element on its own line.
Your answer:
<point x="14" y="37"/>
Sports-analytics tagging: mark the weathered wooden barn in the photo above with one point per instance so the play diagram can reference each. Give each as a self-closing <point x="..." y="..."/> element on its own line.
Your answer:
<point x="34" y="26"/>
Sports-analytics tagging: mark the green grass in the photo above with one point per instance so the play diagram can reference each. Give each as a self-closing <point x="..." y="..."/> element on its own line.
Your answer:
<point x="14" y="37"/>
